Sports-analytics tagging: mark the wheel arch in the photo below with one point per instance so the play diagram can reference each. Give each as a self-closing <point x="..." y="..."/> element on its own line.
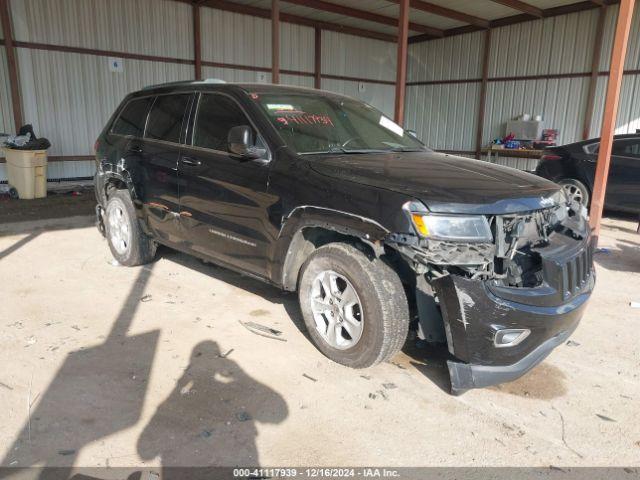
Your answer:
<point x="308" y="228"/>
<point x="121" y="172"/>
<point x="117" y="181"/>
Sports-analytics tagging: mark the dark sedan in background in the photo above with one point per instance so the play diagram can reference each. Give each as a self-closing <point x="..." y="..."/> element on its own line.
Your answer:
<point x="573" y="166"/>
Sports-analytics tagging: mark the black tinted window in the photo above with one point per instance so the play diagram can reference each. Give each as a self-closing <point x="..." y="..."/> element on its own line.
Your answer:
<point x="627" y="148"/>
<point x="131" y="120"/>
<point x="165" y="119"/>
<point x="217" y="114"/>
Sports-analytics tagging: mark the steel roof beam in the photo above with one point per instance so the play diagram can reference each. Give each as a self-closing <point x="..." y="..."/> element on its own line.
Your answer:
<point x="228" y="6"/>
<point x="521" y="6"/>
<point x="446" y="12"/>
<point x="364" y="15"/>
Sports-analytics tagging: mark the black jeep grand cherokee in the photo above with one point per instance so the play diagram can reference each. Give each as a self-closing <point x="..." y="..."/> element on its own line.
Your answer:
<point x="320" y="193"/>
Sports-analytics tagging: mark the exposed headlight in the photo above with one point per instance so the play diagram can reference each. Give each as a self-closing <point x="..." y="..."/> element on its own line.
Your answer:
<point x="474" y="228"/>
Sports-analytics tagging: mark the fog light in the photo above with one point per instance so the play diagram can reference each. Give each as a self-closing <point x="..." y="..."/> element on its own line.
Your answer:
<point x="510" y="337"/>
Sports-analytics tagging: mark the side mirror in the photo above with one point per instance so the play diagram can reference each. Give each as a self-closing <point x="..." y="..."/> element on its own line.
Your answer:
<point x="241" y="143"/>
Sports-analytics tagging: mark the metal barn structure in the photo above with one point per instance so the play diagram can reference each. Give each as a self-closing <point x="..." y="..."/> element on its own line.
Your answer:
<point x="453" y="70"/>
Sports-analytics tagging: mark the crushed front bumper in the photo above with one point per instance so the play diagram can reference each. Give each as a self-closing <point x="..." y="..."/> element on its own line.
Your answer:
<point x="474" y="311"/>
<point x="465" y="376"/>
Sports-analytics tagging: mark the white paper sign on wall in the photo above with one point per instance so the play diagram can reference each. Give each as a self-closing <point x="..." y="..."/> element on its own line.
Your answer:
<point x="116" y="65"/>
<point x="261" y="77"/>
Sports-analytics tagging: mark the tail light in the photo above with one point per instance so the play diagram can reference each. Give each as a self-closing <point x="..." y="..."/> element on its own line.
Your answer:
<point x="551" y="156"/>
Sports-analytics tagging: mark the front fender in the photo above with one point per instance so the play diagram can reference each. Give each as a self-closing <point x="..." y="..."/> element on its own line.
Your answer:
<point x="292" y="247"/>
<point x="337" y="220"/>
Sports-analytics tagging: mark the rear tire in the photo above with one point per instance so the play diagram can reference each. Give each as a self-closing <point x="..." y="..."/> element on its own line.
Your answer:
<point x="576" y="190"/>
<point x="129" y="245"/>
<point x="366" y="306"/>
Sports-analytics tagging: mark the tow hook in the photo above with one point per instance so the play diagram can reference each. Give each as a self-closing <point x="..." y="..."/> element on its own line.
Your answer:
<point x="100" y="220"/>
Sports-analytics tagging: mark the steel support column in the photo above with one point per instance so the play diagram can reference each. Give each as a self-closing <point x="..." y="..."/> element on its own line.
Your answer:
<point x="317" y="74"/>
<point x="197" y="45"/>
<point x="595" y="68"/>
<point x="275" y="41"/>
<point x="483" y="92"/>
<point x="616" y="71"/>
<point x="12" y="63"/>
<point x="401" y="74"/>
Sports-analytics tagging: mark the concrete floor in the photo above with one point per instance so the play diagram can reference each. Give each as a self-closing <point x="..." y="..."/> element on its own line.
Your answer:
<point x="150" y="366"/>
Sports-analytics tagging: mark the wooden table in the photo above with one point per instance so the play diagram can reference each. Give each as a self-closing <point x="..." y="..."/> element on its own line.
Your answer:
<point x="492" y="153"/>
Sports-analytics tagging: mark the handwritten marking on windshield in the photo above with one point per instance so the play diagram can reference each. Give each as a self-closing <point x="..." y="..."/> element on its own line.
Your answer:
<point x="306" y="119"/>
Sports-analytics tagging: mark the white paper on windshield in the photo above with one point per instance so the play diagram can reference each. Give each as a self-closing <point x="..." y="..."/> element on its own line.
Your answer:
<point x="392" y="126"/>
<point x="279" y="107"/>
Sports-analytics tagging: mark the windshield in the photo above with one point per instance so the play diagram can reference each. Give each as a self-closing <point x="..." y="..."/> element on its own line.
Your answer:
<point x="316" y="124"/>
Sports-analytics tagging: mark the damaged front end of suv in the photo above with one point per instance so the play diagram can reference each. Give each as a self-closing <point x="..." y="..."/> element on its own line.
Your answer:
<point x="502" y="290"/>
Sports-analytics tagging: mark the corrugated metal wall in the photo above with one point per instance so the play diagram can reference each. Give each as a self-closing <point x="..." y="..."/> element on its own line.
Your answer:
<point x="561" y="103"/>
<point x="244" y="40"/>
<point x="557" y="45"/>
<point x="561" y="44"/>
<point x="151" y="27"/>
<point x="68" y="97"/>
<point x="6" y="110"/>
<point x="444" y="114"/>
<point x="379" y="95"/>
<point x="233" y="38"/>
<point x="452" y="58"/>
<point x="607" y="36"/>
<point x="628" y="120"/>
<point x="346" y="55"/>
<point x="297" y="46"/>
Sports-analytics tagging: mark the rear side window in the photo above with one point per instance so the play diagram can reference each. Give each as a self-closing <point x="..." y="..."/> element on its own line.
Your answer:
<point x="165" y="119"/>
<point x="592" y="148"/>
<point x="133" y="117"/>
<point x="217" y="115"/>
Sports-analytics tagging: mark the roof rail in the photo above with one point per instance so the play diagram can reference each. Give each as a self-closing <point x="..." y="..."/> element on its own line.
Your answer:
<point x="210" y="80"/>
<point x="186" y="82"/>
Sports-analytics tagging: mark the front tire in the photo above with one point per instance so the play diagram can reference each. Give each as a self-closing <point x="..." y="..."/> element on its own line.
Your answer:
<point x="354" y="307"/>
<point x="129" y="245"/>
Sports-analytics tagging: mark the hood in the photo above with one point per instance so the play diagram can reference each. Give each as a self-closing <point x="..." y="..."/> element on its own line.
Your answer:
<point x="444" y="183"/>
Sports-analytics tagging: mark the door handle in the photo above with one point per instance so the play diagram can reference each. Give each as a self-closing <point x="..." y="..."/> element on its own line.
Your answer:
<point x="135" y="149"/>
<point x="191" y="162"/>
